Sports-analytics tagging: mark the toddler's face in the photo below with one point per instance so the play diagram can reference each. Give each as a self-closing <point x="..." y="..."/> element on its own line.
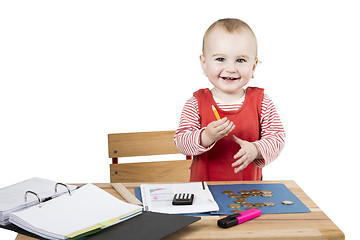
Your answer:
<point x="229" y="59"/>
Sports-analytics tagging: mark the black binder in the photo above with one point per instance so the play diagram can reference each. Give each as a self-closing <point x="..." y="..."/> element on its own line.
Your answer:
<point x="148" y="225"/>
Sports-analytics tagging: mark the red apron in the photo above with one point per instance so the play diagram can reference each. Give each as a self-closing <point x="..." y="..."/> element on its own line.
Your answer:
<point x="215" y="164"/>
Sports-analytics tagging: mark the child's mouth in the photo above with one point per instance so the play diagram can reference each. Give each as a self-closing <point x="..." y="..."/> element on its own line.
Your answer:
<point x="229" y="78"/>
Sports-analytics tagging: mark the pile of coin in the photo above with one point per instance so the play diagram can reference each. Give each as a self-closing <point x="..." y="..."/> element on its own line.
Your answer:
<point x="240" y="199"/>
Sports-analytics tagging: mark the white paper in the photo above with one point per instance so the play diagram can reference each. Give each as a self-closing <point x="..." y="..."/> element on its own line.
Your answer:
<point x="12" y="198"/>
<point x="158" y="198"/>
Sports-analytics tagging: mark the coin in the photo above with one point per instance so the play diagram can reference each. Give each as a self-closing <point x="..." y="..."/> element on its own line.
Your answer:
<point x="242" y="198"/>
<point x="266" y="192"/>
<point x="233" y="195"/>
<point x="259" y="205"/>
<point x="266" y="195"/>
<point x="234" y="205"/>
<point x="247" y="208"/>
<point x="244" y="192"/>
<point x="256" y="194"/>
<point x="227" y="192"/>
<point x="270" y="204"/>
<point x="287" y="202"/>
<point x="246" y="204"/>
<point x="255" y="191"/>
<point x="237" y="210"/>
<point x="239" y="201"/>
<point x="246" y="195"/>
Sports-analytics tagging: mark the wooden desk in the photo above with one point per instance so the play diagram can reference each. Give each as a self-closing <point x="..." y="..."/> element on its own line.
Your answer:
<point x="314" y="225"/>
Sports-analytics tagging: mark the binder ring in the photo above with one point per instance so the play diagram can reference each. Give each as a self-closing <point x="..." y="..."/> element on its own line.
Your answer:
<point x="26" y="193"/>
<point x="69" y="191"/>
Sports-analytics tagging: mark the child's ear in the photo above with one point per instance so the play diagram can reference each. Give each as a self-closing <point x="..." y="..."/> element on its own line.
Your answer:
<point x="254" y="67"/>
<point x="202" y="62"/>
<point x="255" y="64"/>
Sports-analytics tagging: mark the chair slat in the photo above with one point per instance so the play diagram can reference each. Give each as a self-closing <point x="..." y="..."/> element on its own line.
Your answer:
<point x="164" y="171"/>
<point x="141" y="144"/>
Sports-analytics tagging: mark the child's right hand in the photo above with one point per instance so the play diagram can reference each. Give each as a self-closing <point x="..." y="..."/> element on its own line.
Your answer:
<point x="215" y="131"/>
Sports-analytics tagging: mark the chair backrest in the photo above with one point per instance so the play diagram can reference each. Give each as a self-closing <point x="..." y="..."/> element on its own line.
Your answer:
<point x="145" y="144"/>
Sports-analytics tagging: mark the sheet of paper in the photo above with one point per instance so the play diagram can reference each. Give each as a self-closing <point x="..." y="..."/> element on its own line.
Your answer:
<point x="158" y="198"/>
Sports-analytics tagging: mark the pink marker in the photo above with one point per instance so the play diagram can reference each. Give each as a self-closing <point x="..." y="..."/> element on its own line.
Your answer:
<point x="235" y="219"/>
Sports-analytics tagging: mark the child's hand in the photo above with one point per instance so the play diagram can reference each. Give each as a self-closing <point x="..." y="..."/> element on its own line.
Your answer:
<point x="215" y="131"/>
<point x="245" y="155"/>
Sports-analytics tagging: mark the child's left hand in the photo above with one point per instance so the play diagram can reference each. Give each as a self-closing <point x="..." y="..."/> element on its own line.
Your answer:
<point x="245" y="155"/>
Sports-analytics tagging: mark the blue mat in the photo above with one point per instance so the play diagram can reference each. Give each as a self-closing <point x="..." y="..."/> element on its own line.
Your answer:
<point x="279" y="193"/>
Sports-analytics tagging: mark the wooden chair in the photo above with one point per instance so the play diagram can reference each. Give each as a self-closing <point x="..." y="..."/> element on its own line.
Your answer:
<point x="144" y="144"/>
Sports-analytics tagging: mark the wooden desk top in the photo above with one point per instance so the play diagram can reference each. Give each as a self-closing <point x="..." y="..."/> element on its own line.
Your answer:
<point x="313" y="225"/>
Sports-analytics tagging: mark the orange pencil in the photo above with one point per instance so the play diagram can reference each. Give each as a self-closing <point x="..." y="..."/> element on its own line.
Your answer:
<point x="215" y="112"/>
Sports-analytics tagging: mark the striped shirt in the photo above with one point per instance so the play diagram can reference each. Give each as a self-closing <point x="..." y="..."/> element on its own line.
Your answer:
<point x="187" y="136"/>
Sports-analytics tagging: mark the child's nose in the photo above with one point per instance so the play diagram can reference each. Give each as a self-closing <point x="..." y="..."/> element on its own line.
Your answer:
<point x="230" y="67"/>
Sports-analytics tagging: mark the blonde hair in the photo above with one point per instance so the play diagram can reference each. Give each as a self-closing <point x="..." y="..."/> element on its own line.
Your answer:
<point x="231" y="25"/>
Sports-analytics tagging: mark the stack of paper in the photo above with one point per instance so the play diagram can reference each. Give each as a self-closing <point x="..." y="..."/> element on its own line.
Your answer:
<point x="12" y="198"/>
<point x="158" y="198"/>
<point x="88" y="210"/>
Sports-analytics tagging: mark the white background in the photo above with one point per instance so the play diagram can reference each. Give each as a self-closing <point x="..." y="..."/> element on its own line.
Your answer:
<point x="73" y="71"/>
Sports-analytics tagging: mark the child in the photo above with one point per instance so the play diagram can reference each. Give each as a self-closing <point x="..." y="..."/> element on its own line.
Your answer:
<point x="249" y="134"/>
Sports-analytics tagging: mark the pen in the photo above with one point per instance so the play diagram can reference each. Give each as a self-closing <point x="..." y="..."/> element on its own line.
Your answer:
<point x="238" y="218"/>
<point x="203" y="185"/>
<point x="215" y="112"/>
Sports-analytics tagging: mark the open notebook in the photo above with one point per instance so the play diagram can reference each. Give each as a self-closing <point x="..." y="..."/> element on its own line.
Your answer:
<point x="86" y="211"/>
<point x="12" y="197"/>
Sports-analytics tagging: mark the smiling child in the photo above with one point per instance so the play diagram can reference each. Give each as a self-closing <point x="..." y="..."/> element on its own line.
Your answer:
<point x="249" y="134"/>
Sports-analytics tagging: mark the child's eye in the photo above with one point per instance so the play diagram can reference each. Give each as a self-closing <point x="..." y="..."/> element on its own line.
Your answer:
<point x="220" y="59"/>
<point x="240" y="60"/>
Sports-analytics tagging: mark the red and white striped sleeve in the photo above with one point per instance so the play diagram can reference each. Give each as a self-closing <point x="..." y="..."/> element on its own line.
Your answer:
<point x="272" y="139"/>
<point x="187" y="136"/>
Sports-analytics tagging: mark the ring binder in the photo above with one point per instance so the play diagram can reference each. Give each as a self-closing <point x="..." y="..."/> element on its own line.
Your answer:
<point x="69" y="191"/>
<point x="26" y="193"/>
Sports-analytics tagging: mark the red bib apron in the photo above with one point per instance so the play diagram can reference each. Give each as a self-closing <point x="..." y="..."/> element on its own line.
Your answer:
<point x="215" y="164"/>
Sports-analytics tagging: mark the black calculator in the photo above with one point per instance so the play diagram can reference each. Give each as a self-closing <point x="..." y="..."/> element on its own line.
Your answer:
<point x="183" y="199"/>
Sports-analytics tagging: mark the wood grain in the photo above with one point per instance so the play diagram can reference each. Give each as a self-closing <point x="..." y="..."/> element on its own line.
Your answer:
<point x="169" y="171"/>
<point x="141" y="144"/>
